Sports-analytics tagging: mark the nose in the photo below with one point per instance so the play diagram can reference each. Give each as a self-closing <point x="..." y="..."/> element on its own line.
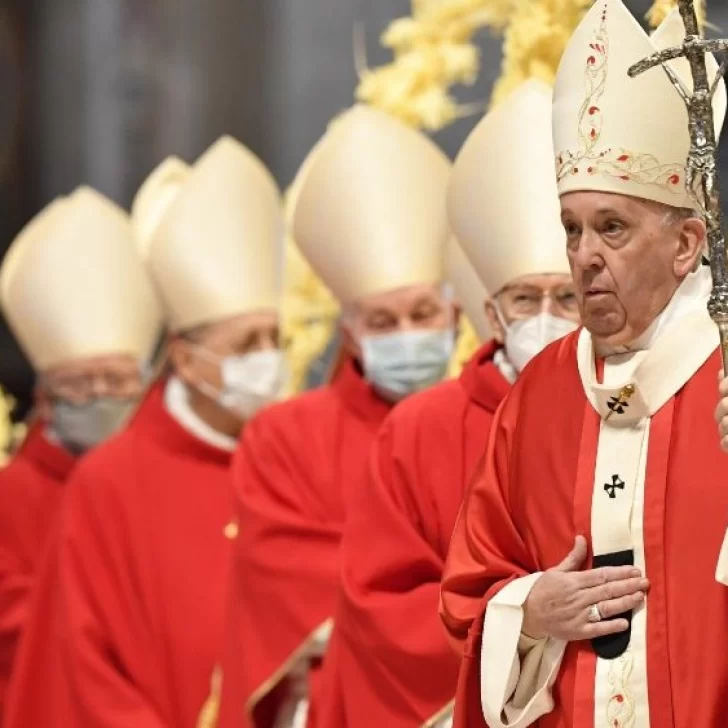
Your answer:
<point x="588" y="254"/>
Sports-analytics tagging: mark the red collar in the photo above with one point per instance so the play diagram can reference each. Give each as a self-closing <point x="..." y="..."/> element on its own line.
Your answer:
<point x="152" y="420"/>
<point x="482" y="380"/>
<point x="47" y="455"/>
<point x="358" y="395"/>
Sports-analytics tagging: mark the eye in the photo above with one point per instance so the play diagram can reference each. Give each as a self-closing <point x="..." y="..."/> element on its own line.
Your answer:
<point x="572" y="229"/>
<point x="613" y="227"/>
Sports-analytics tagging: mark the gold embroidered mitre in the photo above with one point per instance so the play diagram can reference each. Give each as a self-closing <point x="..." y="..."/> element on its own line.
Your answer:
<point x="73" y="284"/>
<point x="502" y="200"/>
<point x="613" y="133"/>
<point x="370" y="215"/>
<point x="218" y="250"/>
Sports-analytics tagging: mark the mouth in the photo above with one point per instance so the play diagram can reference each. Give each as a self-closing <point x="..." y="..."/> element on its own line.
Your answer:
<point x="596" y="293"/>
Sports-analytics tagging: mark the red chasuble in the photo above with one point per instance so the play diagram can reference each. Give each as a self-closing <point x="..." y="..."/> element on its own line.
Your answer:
<point x="30" y="496"/>
<point x="551" y="473"/>
<point x="389" y="663"/>
<point x="128" y="623"/>
<point x="293" y="473"/>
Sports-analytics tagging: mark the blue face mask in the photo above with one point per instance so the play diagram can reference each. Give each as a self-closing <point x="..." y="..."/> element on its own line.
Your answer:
<point x="406" y="362"/>
<point x="84" y="426"/>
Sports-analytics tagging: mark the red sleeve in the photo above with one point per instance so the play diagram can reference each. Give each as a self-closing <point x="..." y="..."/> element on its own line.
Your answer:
<point x="486" y="550"/>
<point x="285" y="562"/>
<point x="101" y="605"/>
<point x="392" y="654"/>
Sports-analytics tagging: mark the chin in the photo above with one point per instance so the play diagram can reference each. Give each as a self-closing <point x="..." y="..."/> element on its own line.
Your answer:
<point x="606" y="326"/>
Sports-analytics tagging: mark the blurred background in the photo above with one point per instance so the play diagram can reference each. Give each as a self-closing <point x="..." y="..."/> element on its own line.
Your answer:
<point x="99" y="91"/>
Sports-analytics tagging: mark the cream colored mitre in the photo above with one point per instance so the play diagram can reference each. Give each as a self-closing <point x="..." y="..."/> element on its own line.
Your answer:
<point x="503" y="204"/>
<point x="73" y="286"/>
<point x="218" y="250"/>
<point x="154" y="197"/>
<point x="613" y="133"/>
<point x="469" y="289"/>
<point x="371" y="214"/>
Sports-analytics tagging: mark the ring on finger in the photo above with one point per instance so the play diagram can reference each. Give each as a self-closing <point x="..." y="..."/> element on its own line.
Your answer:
<point x="594" y="614"/>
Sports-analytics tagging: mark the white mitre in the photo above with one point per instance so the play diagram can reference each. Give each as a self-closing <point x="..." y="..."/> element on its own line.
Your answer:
<point x="470" y="292"/>
<point x="502" y="201"/>
<point x="218" y="250"/>
<point x="73" y="285"/>
<point x="370" y="215"/>
<point x="613" y="133"/>
<point x="152" y="200"/>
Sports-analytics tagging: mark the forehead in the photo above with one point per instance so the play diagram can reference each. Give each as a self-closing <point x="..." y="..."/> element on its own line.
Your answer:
<point x="591" y="203"/>
<point x="239" y="326"/>
<point x="545" y="281"/>
<point x="401" y="300"/>
<point x="112" y="363"/>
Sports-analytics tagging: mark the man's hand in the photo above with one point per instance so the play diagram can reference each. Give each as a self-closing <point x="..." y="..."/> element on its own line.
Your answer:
<point x="560" y="601"/>
<point x="721" y="412"/>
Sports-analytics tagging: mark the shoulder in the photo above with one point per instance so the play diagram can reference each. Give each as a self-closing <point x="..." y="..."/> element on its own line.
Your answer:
<point x="435" y="406"/>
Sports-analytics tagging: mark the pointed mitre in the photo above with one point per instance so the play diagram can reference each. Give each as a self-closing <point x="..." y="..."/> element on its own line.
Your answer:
<point x="154" y="197"/>
<point x="73" y="285"/>
<point x="503" y="204"/>
<point x="469" y="289"/>
<point x="613" y="133"/>
<point x="370" y="215"/>
<point x="218" y="251"/>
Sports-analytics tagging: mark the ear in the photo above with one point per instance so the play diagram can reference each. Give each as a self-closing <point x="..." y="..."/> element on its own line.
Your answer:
<point x="180" y="357"/>
<point x="499" y="333"/>
<point x="690" y="247"/>
<point x="349" y="342"/>
<point x="457" y="311"/>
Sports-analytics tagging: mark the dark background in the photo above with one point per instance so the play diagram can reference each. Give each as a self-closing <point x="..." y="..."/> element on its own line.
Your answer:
<point x="99" y="91"/>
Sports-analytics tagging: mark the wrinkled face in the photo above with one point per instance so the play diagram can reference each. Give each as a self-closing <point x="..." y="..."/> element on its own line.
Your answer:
<point x="196" y="355"/>
<point x="627" y="257"/>
<point x="415" y="307"/>
<point x="531" y="295"/>
<point x="117" y="376"/>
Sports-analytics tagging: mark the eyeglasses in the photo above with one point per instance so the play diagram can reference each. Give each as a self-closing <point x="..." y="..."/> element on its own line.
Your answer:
<point x="79" y="388"/>
<point x="519" y="301"/>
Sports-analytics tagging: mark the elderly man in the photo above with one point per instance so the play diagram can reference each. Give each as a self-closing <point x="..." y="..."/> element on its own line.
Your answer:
<point x="390" y="663"/>
<point x="371" y="220"/>
<point x="78" y="299"/>
<point x="142" y="564"/>
<point x="580" y="580"/>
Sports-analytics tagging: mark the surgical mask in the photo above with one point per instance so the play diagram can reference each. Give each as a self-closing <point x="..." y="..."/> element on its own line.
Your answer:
<point x="249" y="382"/>
<point x="81" y="427"/>
<point x="405" y="362"/>
<point x="526" y="338"/>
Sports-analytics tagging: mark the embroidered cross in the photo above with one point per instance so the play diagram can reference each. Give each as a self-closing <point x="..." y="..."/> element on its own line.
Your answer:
<point x="611" y="488"/>
<point x="620" y="403"/>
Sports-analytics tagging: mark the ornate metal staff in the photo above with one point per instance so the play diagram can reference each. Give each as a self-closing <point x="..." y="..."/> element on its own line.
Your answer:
<point x="702" y="165"/>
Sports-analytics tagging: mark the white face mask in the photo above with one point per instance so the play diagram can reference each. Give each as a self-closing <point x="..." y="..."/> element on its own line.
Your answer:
<point x="405" y="362"/>
<point x="528" y="337"/>
<point x="249" y="382"/>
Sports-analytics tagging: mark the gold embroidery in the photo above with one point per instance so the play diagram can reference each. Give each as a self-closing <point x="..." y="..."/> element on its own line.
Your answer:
<point x="621" y="704"/>
<point x="619" y="163"/>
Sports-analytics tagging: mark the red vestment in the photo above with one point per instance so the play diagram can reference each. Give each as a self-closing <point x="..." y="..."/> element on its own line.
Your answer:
<point x="31" y="486"/>
<point x="389" y="663"/>
<point x="537" y="489"/>
<point x="293" y="474"/>
<point x="128" y="623"/>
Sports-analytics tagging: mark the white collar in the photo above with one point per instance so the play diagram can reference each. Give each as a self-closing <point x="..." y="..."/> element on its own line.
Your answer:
<point x="504" y="366"/>
<point x="690" y="297"/>
<point x="177" y="404"/>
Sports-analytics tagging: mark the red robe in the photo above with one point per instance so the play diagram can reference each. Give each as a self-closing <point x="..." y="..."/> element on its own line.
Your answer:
<point x="128" y="623"/>
<point x="30" y="496"/>
<point x="536" y="491"/>
<point x="293" y="472"/>
<point x="385" y="668"/>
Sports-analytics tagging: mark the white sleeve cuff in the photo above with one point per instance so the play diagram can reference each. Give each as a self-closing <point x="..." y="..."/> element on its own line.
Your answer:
<point x="516" y="672"/>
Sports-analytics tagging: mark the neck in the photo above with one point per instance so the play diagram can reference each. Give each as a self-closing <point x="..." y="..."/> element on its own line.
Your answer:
<point x="690" y="296"/>
<point x="194" y="412"/>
